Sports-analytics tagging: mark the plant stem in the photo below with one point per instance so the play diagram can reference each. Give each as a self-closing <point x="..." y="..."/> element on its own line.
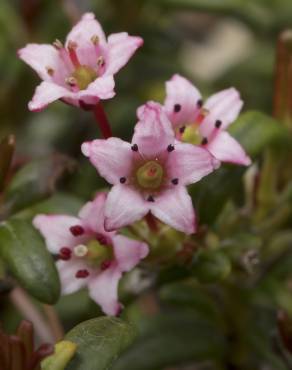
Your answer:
<point x="151" y="222"/>
<point x="54" y="321"/>
<point x="29" y="311"/>
<point x="102" y="121"/>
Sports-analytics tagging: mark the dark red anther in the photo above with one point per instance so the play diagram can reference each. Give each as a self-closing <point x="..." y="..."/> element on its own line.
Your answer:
<point x="65" y="253"/>
<point x="170" y="148"/>
<point x="81" y="274"/>
<point x="76" y="230"/>
<point x="176" y="108"/>
<point x="102" y="239"/>
<point x="200" y="103"/>
<point x="204" y="141"/>
<point x="105" y="265"/>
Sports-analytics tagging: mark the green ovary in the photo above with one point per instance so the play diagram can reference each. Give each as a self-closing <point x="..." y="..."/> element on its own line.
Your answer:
<point x="98" y="253"/>
<point x="192" y="135"/>
<point x="84" y="75"/>
<point x="150" y="175"/>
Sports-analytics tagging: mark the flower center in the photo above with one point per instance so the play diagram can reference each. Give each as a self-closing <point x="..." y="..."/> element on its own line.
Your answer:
<point x="84" y="75"/>
<point x="192" y="135"/>
<point x="150" y="175"/>
<point x="94" y="252"/>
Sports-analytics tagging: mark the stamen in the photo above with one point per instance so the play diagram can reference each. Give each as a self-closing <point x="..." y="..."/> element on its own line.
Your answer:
<point x="200" y="103"/>
<point x="50" y="71"/>
<point x="174" y="181"/>
<point x="72" y="54"/>
<point x="81" y="274"/>
<point x="218" y="123"/>
<point x="122" y="180"/>
<point x="105" y="265"/>
<point x="71" y="81"/>
<point x="170" y="148"/>
<point x="182" y="129"/>
<point x="100" y="61"/>
<point x="58" y="44"/>
<point x="102" y="239"/>
<point x="94" y="39"/>
<point x="150" y="198"/>
<point x="203" y="113"/>
<point x="80" y="250"/>
<point x="76" y="230"/>
<point x="176" y="108"/>
<point x="204" y="141"/>
<point x="134" y="147"/>
<point x="65" y="253"/>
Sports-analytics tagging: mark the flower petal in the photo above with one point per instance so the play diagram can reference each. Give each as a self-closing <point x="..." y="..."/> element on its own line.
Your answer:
<point x="123" y="206"/>
<point x="225" y="148"/>
<point x="101" y="88"/>
<point x="153" y="132"/>
<point x="84" y="30"/>
<point x="92" y="213"/>
<point x="174" y="207"/>
<point x="189" y="163"/>
<point x="121" y="47"/>
<point x="182" y="96"/>
<point x="112" y="158"/>
<point x="129" y="252"/>
<point x="40" y="57"/>
<point x="224" y="106"/>
<point x="46" y="93"/>
<point x="67" y="271"/>
<point x="103" y="289"/>
<point x="55" y="230"/>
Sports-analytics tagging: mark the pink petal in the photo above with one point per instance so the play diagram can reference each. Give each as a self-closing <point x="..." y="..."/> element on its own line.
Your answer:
<point x="92" y="213"/>
<point x="103" y="289"/>
<point x="121" y="47"/>
<point x="189" y="163"/>
<point x="153" y="132"/>
<point x="67" y="271"/>
<point x="225" y="148"/>
<point x="101" y="88"/>
<point x="183" y="95"/>
<point x="84" y="30"/>
<point x="128" y="252"/>
<point x="124" y="206"/>
<point x="112" y="158"/>
<point x="174" y="207"/>
<point x="42" y="56"/>
<point x="224" y="106"/>
<point x="55" y="230"/>
<point x="46" y="93"/>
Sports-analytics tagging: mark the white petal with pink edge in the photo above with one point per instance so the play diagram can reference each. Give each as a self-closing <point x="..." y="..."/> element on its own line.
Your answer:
<point x="181" y="103"/>
<point x="92" y="213"/>
<point x="124" y="205"/>
<point x="174" y="207"/>
<point x="225" y="148"/>
<point x="112" y="158"/>
<point x="129" y="252"/>
<point x="67" y="271"/>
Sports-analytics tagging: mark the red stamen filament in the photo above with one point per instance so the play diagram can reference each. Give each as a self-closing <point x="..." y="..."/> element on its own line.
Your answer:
<point x="73" y="55"/>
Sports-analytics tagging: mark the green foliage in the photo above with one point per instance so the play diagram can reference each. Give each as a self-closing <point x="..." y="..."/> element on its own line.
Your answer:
<point x="26" y="256"/>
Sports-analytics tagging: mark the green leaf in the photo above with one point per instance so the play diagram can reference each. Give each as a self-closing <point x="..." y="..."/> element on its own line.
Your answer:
<point x="170" y="339"/>
<point x="26" y="256"/>
<point x="34" y="182"/>
<point x="99" y="343"/>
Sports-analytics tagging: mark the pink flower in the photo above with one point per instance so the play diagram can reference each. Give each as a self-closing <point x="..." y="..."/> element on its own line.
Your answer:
<point x="88" y="255"/>
<point x="151" y="173"/>
<point x="81" y="72"/>
<point x="206" y="123"/>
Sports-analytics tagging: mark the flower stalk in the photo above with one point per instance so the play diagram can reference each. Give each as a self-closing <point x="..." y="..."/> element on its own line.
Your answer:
<point x="102" y="121"/>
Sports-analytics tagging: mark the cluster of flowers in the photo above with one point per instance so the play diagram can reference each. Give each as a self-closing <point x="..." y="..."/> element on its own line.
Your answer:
<point x="174" y="145"/>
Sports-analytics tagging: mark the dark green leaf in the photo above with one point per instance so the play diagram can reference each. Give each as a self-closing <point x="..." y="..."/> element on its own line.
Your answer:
<point x="25" y="254"/>
<point x="100" y="342"/>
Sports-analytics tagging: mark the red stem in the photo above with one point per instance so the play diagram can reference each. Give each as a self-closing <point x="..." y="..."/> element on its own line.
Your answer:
<point x="151" y="222"/>
<point x="102" y="121"/>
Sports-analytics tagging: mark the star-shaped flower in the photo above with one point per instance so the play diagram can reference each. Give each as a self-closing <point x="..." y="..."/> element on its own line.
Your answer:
<point x="89" y="255"/>
<point x="205" y="123"/>
<point x="151" y="173"/>
<point x="81" y="71"/>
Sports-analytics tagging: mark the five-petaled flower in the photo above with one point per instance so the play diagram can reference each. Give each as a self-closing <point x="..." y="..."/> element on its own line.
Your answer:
<point x="151" y="173"/>
<point x="81" y="71"/>
<point x="205" y="124"/>
<point x="88" y="255"/>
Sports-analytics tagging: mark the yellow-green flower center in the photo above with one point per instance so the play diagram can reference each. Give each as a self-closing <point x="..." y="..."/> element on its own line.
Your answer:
<point x="94" y="252"/>
<point x="84" y="75"/>
<point x="150" y="175"/>
<point x="192" y="135"/>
